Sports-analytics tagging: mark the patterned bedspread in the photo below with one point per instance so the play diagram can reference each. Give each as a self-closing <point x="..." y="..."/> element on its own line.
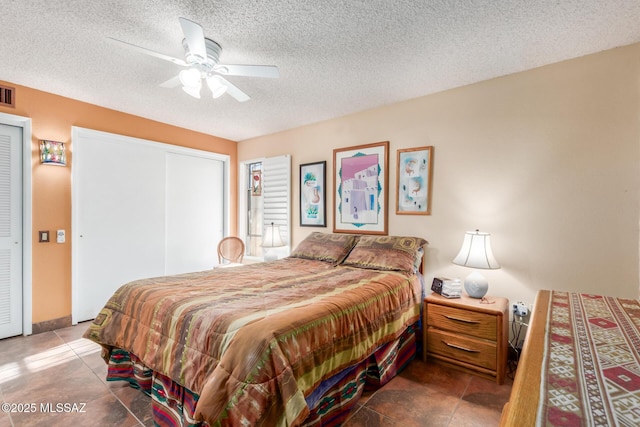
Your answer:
<point x="591" y="370"/>
<point x="253" y="341"/>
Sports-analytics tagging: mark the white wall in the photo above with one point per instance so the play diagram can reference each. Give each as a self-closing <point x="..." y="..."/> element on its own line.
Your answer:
<point x="546" y="160"/>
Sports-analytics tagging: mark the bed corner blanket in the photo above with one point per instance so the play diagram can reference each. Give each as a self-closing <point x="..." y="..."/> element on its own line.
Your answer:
<point x="591" y="369"/>
<point x="254" y="341"/>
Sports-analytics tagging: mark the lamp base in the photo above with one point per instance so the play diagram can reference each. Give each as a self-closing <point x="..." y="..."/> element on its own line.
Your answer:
<point x="271" y="255"/>
<point x="476" y="285"/>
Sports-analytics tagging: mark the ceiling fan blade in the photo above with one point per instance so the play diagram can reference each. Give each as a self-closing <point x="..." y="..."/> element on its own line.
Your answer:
<point x="268" y="71"/>
<point x="194" y="34"/>
<point x="151" y="52"/>
<point x="172" y="82"/>
<point x="234" y="91"/>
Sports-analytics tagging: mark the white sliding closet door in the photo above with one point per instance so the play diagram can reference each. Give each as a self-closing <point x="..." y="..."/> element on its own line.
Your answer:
<point x="140" y="209"/>
<point x="119" y="217"/>
<point x="195" y="212"/>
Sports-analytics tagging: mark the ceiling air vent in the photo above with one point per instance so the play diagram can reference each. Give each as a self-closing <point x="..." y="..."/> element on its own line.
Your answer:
<point x="7" y="98"/>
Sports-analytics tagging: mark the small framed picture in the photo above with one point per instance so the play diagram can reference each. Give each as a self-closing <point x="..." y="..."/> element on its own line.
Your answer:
<point x="414" y="173"/>
<point x="313" y="194"/>
<point x="256" y="183"/>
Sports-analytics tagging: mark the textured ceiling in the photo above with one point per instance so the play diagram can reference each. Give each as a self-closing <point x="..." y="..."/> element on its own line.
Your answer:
<point x="335" y="57"/>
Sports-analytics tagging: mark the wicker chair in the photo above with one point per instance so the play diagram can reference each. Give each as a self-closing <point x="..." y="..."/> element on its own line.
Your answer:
<point x="230" y="250"/>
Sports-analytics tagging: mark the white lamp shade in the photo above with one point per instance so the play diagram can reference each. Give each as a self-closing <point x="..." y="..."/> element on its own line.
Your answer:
<point x="476" y="251"/>
<point x="193" y="91"/>
<point x="190" y="78"/>
<point x="217" y="87"/>
<point x="271" y="237"/>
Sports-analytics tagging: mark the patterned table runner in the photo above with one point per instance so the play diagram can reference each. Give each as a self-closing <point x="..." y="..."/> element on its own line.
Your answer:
<point x="591" y="367"/>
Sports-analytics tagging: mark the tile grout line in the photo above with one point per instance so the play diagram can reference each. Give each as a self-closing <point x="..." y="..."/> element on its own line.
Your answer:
<point x="8" y="413"/>
<point x="100" y="379"/>
<point x="11" y="421"/>
<point x="455" y="409"/>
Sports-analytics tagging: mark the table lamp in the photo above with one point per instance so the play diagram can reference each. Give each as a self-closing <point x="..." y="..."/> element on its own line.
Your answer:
<point x="271" y="239"/>
<point x="476" y="253"/>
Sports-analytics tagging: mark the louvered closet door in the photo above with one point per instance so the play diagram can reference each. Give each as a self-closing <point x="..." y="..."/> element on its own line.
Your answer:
<point x="10" y="231"/>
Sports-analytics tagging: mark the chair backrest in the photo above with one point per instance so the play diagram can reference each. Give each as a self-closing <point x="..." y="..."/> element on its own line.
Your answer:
<point x="230" y="249"/>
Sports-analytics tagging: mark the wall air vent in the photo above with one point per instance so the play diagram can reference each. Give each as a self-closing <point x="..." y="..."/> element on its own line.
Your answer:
<point x="7" y="96"/>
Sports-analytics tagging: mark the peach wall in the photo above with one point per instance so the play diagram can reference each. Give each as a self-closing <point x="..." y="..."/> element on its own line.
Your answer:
<point x="545" y="160"/>
<point x="52" y="118"/>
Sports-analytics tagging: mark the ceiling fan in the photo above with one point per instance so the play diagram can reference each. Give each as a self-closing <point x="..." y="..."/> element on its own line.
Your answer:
<point x="202" y="59"/>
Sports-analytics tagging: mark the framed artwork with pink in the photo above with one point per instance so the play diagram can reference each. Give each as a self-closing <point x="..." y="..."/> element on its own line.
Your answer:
<point x="360" y="187"/>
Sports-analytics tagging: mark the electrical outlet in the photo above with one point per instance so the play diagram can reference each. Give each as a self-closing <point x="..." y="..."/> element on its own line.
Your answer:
<point x="520" y="309"/>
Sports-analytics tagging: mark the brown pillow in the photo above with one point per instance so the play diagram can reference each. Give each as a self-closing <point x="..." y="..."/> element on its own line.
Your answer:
<point x="325" y="247"/>
<point x="386" y="253"/>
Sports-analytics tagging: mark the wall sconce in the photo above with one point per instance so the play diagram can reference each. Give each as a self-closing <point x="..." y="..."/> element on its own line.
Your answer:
<point x="53" y="153"/>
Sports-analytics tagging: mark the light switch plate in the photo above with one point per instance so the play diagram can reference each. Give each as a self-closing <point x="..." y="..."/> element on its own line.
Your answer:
<point x="43" y="236"/>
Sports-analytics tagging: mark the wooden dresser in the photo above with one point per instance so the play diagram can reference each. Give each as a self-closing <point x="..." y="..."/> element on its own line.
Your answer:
<point x="467" y="334"/>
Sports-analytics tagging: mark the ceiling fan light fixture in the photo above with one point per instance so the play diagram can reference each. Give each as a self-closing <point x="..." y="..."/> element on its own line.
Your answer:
<point x="193" y="91"/>
<point x="202" y="57"/>
<point x="190" y="78"/>
<point x="219" y="92"/>
<point x="217" y="87"/>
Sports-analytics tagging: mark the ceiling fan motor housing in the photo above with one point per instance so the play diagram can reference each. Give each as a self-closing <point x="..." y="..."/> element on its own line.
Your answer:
<point x="202" y="59"/>
<point x="213" y="53"/>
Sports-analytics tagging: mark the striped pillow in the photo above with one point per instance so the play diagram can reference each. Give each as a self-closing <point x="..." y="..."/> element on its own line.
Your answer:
<point x="325" y="247"/>
<point x="386" y="253"/>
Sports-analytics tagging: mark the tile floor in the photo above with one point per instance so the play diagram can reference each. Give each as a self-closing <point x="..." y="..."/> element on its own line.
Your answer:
<point x="60" y="367"/>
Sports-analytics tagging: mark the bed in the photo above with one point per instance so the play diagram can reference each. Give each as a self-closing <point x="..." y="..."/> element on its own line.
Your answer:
<point x="288" y="342"/>
<point x="580" y="364"/>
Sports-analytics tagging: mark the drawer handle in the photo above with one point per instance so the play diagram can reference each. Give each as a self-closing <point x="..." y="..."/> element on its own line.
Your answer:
<point x="457" y="319"/>
<point x="459" y="347"/>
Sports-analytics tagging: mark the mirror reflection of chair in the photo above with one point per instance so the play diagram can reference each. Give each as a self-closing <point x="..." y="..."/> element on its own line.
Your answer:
<point x="230" y="251"/>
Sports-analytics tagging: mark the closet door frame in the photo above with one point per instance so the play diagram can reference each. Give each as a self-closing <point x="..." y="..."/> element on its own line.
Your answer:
<point x="79" y="135"/>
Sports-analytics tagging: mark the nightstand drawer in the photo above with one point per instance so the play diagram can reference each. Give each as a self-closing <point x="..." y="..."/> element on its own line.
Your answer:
<point x="477" y="352"/>
<point x="462" y="321"/>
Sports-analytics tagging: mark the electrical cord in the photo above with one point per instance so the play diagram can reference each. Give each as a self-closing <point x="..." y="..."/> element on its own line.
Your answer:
<point x="515" y="344"/>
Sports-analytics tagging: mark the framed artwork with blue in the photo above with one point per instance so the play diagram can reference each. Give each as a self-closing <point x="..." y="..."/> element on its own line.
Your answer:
<point x="313" y="194"/>
<point x="414" y="176"/>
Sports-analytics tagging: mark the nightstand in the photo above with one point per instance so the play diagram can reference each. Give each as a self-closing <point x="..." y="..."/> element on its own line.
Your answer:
<point x="467" y="334"/>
